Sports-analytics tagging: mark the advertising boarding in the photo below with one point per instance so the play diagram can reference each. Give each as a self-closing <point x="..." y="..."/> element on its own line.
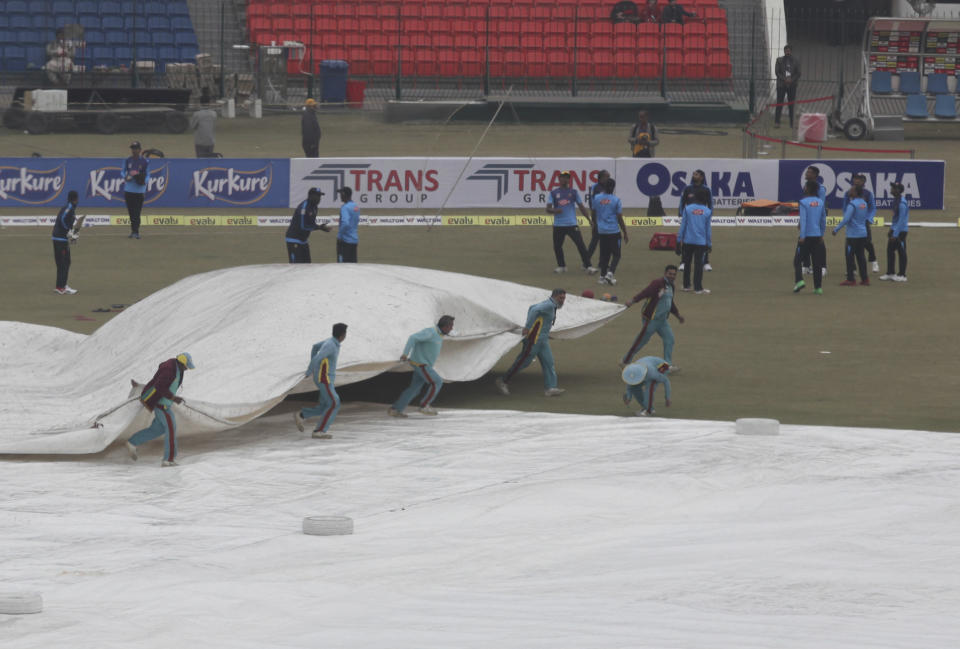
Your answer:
<point x="923" y="180"/>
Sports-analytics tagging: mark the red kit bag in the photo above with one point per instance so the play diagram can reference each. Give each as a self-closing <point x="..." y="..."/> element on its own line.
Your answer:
<point x="663" y="241"/>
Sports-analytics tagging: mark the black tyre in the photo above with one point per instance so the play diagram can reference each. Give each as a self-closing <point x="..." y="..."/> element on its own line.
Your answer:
<point x="108" y="123"/>
<point x="85" y="122"/>
<point x="36" y="123"/>
<point x="176" y="122"/>
<point x="13" y="118"/>
<point x="855" y="129"/>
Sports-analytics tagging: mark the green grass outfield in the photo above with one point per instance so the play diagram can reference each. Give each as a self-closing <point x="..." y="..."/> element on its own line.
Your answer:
<point x="750" y="349"/>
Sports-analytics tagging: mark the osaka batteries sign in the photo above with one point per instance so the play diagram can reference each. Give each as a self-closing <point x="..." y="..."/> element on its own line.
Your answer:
<point x="923" y="180"/>
<point x="732" y="181"/>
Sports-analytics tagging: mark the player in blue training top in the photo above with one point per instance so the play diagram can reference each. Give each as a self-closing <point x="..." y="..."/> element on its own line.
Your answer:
<point x="641" y="378"/>
<point x="602" y="176"/>
<point x="135" y="176"/>
<point x="421" y="351"/>
<point x="323" y="371"/>
<point x="302" y="223"/>
<point x="860" y="183"/>
<point x="813" y="223"/>
<point x="608" y="214"/>
<point x="536" y="344"/>
<point x="695" y="239"/>
<point x="347" y="240"/>
<point x="813" y="173"/>
<point x="63" y="235"/>
<point x="897" y="239"/>
<point x="697" y="180"/>
<point x="563" y="202"/>
<point x="855" y="216"/>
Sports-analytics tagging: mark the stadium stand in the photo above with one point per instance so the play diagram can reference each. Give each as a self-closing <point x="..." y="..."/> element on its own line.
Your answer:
<point x="514" y="38"/>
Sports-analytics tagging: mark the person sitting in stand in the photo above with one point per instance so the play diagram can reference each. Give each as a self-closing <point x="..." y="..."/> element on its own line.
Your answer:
<point x="675" y="13"/>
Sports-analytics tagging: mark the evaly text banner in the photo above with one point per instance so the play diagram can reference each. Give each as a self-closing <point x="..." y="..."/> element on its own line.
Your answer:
<point x="172" y="182"/>
<point x="923" y="180"/>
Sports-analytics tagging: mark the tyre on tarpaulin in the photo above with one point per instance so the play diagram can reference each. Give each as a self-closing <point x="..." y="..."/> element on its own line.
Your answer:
<point x="108" y="123"/>
<point x="36" y="123"/>
<point x="176" y="121"/>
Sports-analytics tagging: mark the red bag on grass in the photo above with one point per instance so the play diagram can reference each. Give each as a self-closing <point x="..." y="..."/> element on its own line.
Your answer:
<point x="663" y="241"/>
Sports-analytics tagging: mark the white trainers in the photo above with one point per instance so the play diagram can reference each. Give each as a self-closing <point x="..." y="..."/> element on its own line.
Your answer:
<point x="680" y="267"/>
<point x="69" y="291"/>
<point x="590" y="270"/>
<point x="823" y="272"/>
<point x="427" y="410"/>
<point x="319" y="434"/>
<point x="887" y="277"/>
<point x="396" y="413"/>
<point x="707" y="267"/>
<point x="502" y="387"/>
<point x="673" y="369"/>
<point x="703" y="291"/>
<point x="806" y="270"/>
<point x="298" y="420"/>
<point x="645" y="413"/>
<point x="610" y="279"/>
<point x="59" y="291"/>
<point x="132" y="450"/>
<point x="602" y="280"/>
<point x="875" y="267"/>
<point x="899" y="278"/>
<point x="169" y="463"/>
<point x="560" y="269"/>
<point x="553" y="392"/>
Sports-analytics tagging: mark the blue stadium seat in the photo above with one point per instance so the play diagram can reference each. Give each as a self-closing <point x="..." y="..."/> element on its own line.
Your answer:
<point x="909" y="83"/>
<point x="881" y="82"/>
<point x="42" y="21"/>
<point x="7" y="37"/>
<point x="178" y="8"/>
<point x="94" y="37"/>
<point x="20" y="21"/>
<point x="134" y="22"/>
<point x="63" y="8"/>
<point x="155" y="8"/>
<point x="109" y="8"/>
<point x="129" y="8"/>
<point x="31" y="37"/>
<point x="142" y="37"/>
<point x="4" y="21"/>
<point x="36" y="56"/>
<point x="102" y="55"/>
<point x="89" y="22"/>
<point x="161" y="38"/>
<point x="146" y="53"/>
<point x="87" y="8"/>
<point x="14" y="58"/>
<point x="111" y="22"/>
<point x="188" y="52"/>
<point x="158" y="22"/>
<point x="16" y="7"/>
<point x="168" y="54"/>
<point x="185" y="38"/>
<point x="945" y="107"/>
<point x="123" y="55"/>
<point x="917" y="106"/>
<point x="35" y="7"/>
<point x="937" y="84"/>
<point x="181" y="23"/>
<point x="117" y="38"/>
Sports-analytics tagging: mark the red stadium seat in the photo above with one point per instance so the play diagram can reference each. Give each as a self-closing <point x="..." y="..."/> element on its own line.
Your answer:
<point x="625" y="65"/>
<point x="279" y="10"/>
<point x="531" y="42"/>
<point x="649" y="64"/>
<point x="348" y="24"/>
<point x="413" y="25"/>
<point x="416" y="40"/>
<point x="360" y="61"/>
<point x="713" y="14"/>
<point x="343" y="10"/>
<point x="384" y="61"/>
<point x="695" y="43"/>
<point x="555" y="42"/>
<point x="513" y="64"/>
<point x="559" y="63"/>
<point x="694" y="29"/>
<point x="367" y="10"/>
<point x="326" y="24"/>
<point x="535" y="62"/>
<point x="448" y="63"/>
<point x="258" y="10"/>
<point x="410" y="10"/>
<point x="465" y="41"/>
<point x="442" y="40"/>
<point x="505" y="40"/>
<point x="717" y="29"/>
<point x="719" y="67"/>
<point x="673" y="42"/>
<point x="425" y="63"/>
<point x="471" y="63"/>
<point x="695" y="65"/>
<point x="674" y="64"/>
<point x="430" y="10"/>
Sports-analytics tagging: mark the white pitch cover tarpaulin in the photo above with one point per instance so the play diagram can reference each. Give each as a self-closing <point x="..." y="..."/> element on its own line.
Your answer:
<point x="250" y="330"/>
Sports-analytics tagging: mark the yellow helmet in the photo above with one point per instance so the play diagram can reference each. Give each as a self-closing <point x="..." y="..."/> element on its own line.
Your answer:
<point x="186" y="360"/>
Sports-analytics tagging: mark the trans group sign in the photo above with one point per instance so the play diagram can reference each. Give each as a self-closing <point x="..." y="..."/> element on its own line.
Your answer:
<point x="923" y="180"/>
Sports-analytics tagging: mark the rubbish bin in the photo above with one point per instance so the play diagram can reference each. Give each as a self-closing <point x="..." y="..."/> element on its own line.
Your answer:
<point x="333" y="76"/>
<point x="813" y="127"/>
<point x="355" y="92"/>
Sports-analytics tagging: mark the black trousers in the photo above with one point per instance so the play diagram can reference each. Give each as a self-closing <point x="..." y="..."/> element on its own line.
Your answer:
<point x="594" y="242"/>
<point x="61" y="254"/>
<point x="897" y="246"/>
<point x="609" y="252"/>
<point x="298" y="253"/>
<point x="311" y="150"/>
<point x="134" y="203"/>
<point x="693" y="255"/>
<point x="868" y="246"/>
<point x="560" y="232"/>
<point x="788" y="93"/>
<point x="814" y="249"/>
<point x="346" y="252"/>
<point x="855" y="252"/>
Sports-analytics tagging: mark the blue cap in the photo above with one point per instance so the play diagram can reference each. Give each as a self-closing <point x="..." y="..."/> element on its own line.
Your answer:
<point x="634" y="374"/>
<point x="186" y="360"/>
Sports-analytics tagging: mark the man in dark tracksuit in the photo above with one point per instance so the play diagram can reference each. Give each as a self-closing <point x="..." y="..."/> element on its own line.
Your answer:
<point x="860" y="182"/>
<point x="699" y="179"/>
<point x="310" y="130"/>
<point x="158" y="396"/>
<point x="787" y="70"/>
<point x="135" y="174"/>
<point x="302" y="223"/>
<point x="63" y="235"/>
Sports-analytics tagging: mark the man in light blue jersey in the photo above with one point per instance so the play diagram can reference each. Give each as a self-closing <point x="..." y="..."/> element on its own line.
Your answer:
<point x="562" y="203"/>
<point x="897" y="238"/>
<point x="347" y="239"/>
<point x="536" y="344"/>
<point x="323" y="371"/>
<point x="860" y="183"/>
<point x="812" y="224"/>
<point x="697" y="180"/>
<point x="855" y="216"/>
<point x="136" y="172"/>
<point x="813" y="173"/>
<point x="602" y="176"/>
<point x="421" y="351"/>
<point x="695" y="239"/>
<point x="642" y="378"/>
<point x="608" y="214"/>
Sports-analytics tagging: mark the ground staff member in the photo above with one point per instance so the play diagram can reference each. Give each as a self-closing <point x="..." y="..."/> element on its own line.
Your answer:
<point x="641" y="379"/>
<point x="135" y="175"/>
<point x="536" y="344"/>
<point x="323" y="371"/>
<point x="347" y="240"/>
<point x="63" y="235"/>
<point x="897" y="238"/>
<point x="695" y="239"/>
<point x="562" y="203"/>
<point x="421" y="352"/>
<point x="302" y="223"/>
<point x="158" y="396"/>
<point x="855" y="220"/>
<point x="656" y="311"/>
<point x="608" y="213"/>
<point x="813" y="223"/>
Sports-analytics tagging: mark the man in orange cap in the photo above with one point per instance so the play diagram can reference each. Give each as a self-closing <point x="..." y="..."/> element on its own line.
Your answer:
<point x="310" y="130"/>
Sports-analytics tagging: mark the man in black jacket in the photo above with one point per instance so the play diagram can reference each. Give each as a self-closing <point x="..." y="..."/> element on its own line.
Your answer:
<point x="674" y="13"/>
<point x="787" y="70"/>
<point x="310" y="130"/>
